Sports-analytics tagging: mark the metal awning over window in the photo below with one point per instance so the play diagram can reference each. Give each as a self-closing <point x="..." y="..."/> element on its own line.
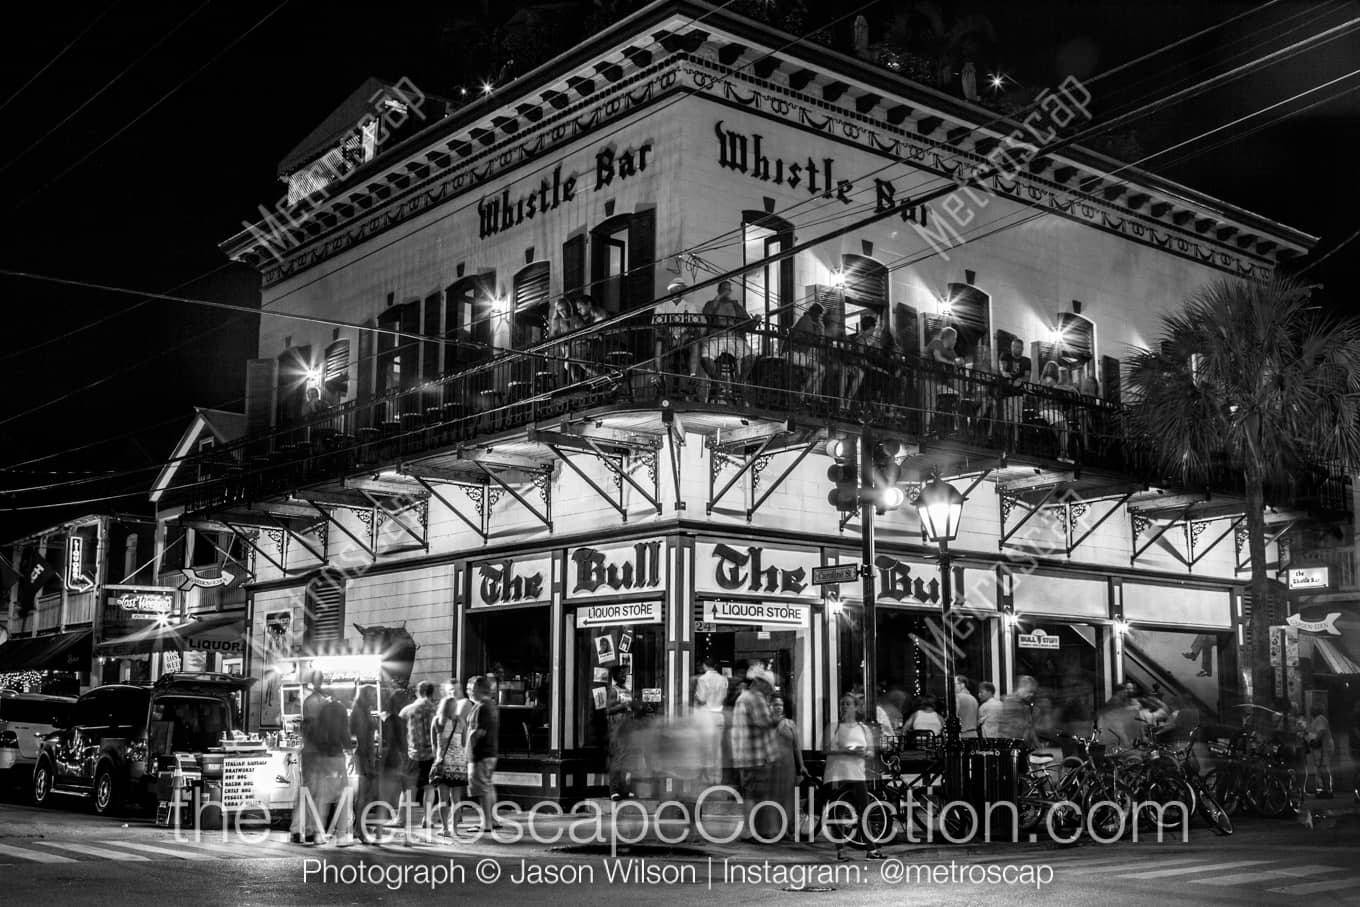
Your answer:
<point x="1330" y="653"/>
<point x="63" y="651"/>
<point x="223" y="634"/>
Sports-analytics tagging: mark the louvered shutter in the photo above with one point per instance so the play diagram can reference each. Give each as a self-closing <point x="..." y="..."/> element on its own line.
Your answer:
<point x="574" y="266"/>
<point x="261" y="385"/>
<point x="1109" y="379"/>
<point x="335" y="375"/>
<point x="429" y="356"/>
<point x="866" y="281"/>
<point x="641" y="258"/>
<point x="294" y="364"/>
<point x="366" y="367"/>
<point x="1078" y="339"/>
<point x="324" y="617"/>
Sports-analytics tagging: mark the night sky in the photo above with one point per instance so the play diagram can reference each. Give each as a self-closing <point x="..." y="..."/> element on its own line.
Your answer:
<point x="147" y="210"/>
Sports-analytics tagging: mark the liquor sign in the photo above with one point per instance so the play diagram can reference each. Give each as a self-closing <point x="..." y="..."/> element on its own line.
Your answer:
<point x="615" y="570"/>
<point x="1309" y="577"/>
<point x="76" y="580"/>
<point x="1326" y="625"/>
<point x="765" y="614"/>
<point x="510" y="582"/>
<point x="1038" y="640"/>
<point x="754" y="570"/>
<point x="615" y="615"/>
<point x="141" y="602"/>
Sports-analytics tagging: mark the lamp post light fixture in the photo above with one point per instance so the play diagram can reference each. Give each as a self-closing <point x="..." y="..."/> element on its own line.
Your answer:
<point x="940" y="506"/>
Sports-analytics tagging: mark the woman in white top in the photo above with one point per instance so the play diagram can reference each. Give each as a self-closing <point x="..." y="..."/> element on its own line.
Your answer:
<point x="849" y="750"/>
<point x="925" y="718"/>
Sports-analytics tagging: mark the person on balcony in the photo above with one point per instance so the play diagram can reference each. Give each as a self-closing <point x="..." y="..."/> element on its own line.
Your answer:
<point x="942" y="399"/>
<point x="1015" y="369"/>
<point x="676" y="326"/>
<point x="1058" y="412"/>
<point x="565" y="321"/>
<point x="806" y="342"/>
<point x="870" y="352"/>
<point x="589" y="351"/>
<point x="728" y="324"/>
<point x="979" y="393"/>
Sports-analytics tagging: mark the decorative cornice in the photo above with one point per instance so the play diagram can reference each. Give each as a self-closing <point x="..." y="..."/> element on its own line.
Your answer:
<point x="454" y="158"/>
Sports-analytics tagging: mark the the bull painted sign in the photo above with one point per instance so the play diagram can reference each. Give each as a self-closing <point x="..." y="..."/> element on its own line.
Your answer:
<point x="627" y="569"/>
<point x="917" y="584"/>
<point x="740" y="570"/>
<point x="519" y="581"/>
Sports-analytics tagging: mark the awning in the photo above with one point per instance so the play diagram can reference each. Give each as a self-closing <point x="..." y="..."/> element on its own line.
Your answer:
<point x="223" y="634"/>
<point x="1337" y="661"/>
<point x="59" y="652"/>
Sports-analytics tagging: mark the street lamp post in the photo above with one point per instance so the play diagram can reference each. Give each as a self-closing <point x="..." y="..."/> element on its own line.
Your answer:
<point x="940" y="506"/>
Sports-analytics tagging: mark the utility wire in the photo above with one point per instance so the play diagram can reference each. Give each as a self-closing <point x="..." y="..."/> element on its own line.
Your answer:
<point x="61" y="53"/>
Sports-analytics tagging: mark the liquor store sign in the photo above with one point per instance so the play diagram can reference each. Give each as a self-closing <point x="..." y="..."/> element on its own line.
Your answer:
<point x="768" y="615"/>
<point x="620" y="614"/>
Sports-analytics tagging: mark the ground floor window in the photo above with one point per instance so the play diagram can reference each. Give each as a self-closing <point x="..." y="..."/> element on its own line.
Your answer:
<point x="1067" y="661"/>
<point x="911" y="656"/>
<point x="621" y="663"/>
<point x="1190" y="671"/>
<point x="514" y="646"/>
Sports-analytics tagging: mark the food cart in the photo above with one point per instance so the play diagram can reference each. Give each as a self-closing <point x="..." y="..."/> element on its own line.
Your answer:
<point x="277" y="774"/>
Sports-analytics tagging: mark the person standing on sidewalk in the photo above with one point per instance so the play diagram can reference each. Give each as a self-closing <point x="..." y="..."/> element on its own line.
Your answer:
<point x="1321" y="748"/>
<point x="966" y="707"/>
<point x="753" y="743"/>
<point x="849" y="752"/>
<point x="309" y="784"/>
<point x="419" y="717"/>
<point x="333" y="744"/>
<point x="364" y="728"/>
<point x="710" y="692"/>
<point x="449" y="774"/>
<point x="1017" y="712"/>
<point x="989" y="710"/>
<point x="483" y="748"/>
<point x="618" y="706"/>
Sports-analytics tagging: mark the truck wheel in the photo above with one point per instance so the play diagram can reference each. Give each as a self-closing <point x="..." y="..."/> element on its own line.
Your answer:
<point x="108" y="793"/>
<point x="42" y="784"/>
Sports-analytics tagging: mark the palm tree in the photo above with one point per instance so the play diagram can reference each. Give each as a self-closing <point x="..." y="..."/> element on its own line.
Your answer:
<point x="1250" y="381"/>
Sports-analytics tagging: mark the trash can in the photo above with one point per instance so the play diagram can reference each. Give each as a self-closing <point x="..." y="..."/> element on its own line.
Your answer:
<point x="992" y="772"/>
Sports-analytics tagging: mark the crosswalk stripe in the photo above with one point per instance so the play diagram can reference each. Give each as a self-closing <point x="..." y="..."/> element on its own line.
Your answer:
<point x="1187" y="870"/>
<point x="95" y="851"/>
<point x="1084" y="868"/>
<point x="1315" y="869"/>
<point x="34" y="855"/>
<point x="182" y="853"/>
<point x="1316" y="887"/>
<point x="1239" y="878"/>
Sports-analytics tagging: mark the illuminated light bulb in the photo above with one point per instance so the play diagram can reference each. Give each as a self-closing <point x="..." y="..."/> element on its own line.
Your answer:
<point x="997" y="79"/>
<point x="838" y="279"/>
<point x="486" y="88"/>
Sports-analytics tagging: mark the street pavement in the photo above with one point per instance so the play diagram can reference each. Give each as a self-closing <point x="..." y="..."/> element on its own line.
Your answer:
<point x="67" y="856"/>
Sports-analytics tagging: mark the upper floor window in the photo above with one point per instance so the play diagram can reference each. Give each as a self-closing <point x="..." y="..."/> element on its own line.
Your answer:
<point x="324" y="612"/>
<point x="469" y="320"/>
<point x="398" y="353"/>
<point x="967" y="311"/>
<point x="529" y="318"/>
<point x="622" y="262"/>
<point x="767" y="285"/>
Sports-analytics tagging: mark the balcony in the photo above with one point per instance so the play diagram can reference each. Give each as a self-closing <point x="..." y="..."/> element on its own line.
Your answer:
<point x="813" y="380"/>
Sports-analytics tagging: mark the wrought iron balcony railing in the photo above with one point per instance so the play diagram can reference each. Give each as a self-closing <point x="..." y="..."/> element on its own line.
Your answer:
<point x="759" y="370"/>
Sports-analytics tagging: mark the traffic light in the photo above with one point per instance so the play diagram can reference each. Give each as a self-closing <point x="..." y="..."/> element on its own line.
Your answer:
<point x="884" y="492"/>
<point x="844" y="475"/>
<point x="887" y="494"/>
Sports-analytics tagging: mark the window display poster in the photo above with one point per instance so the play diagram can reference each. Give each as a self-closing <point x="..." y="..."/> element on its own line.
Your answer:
<point x="602" y="675"/>
<point x="651" y="694"/>
<point x="626" y="641"/>
<point x="604" y="650"/>
<point x="601" y="696"/>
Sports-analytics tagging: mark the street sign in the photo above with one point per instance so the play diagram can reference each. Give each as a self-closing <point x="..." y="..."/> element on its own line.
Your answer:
<point x="1309" y="577"/>
<point x="840" y="573"/>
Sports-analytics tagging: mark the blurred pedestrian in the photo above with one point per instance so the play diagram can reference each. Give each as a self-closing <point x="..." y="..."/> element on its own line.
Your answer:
<point x="366" y="731"/>
<point x="710" y="692"/>
<point x="484" y="723"/>
<point x="418" y="717"/>
<point x="966" y="707"/>
<point x="449" y="741"/>
<point x="925" y="718"/>
<point x="1320" y="751"/>
<point x="753" y="743"/>
<point x="989" y="710"/>
<point x="849" y="752"/>
<point x="618" y="706"/>
<point x="786" y="770"/>
<point x="1016" y="721"/>
<point x="309" y="763"/>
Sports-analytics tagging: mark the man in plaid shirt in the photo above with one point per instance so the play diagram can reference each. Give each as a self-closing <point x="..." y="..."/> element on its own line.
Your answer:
<point x="418" y="717"/>
<point x="753" y="742"/>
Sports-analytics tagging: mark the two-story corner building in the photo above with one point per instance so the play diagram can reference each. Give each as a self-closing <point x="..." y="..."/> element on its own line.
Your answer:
<point x="473" y="442"/>
<point x="95" y="582"/>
